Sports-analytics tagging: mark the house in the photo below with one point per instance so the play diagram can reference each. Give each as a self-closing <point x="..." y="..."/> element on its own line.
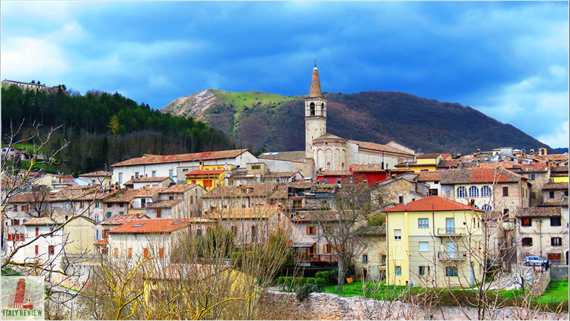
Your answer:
<point x="537" y="177"/>
<point x="431" y="243"/>
<point x="287" y="162"/>
<point x="137" y="240"/>
<point x="372" y="174"/>
<point x="207" y="178"/>
<point x="399" y="190"/>
<point x="102" y="230"/>
<point x="332" y="177"/>
<point x="62" y="181"/>
<point x="241" y="196"/>
<point x="432" y="179"/>
<point x="253" y="224"/>
<point x="142" y="182"/>
<point x="176" y="166"/>
<point x="72" y="242"/>
<point x="130" y="201"/>
<point x="371" y="264"/>
<point x="487" y="188"/>
<point x="189" y="195"/>
<point x="102" y="178"/>
<point x="559" y="174"/>
<point x="543" y="231"/>
<point x="422" y="163"/>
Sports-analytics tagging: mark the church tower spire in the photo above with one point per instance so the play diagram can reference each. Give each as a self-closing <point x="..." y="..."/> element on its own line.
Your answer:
<point x="315" y="113"/>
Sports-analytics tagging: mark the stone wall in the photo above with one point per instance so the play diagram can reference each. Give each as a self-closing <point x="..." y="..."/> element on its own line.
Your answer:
<point x="559" y="273"/>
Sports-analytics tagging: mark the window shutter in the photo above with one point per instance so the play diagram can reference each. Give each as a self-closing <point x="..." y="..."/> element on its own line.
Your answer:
<point x="308" y="230"/>
<point x="324" y="248"/>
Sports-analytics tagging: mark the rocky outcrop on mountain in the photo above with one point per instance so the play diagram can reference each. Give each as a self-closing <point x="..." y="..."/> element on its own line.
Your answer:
<point x="193" y="105"/>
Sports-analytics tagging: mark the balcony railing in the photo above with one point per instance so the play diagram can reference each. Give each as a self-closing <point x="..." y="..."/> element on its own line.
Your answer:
<point x="318" y="257"/>
<point x="451" y="255"/>
<point x="451" y="231"/>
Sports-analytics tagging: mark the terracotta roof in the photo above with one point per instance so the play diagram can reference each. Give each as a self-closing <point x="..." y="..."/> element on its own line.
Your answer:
<point x="97" y="174"/>
<point x="30" y="197"/>
<point x="366" y="168"/>
<point x="179" y="189"/>
<point x="282" y="191"/>
<point x="371" y="230"/>
<point x="378" y="147"/>
<point x="297" y="155"/>
<point x="555" y="186"/>
<point x="165" y="204"/>
<point x="121" y="219"/>
<point x="127" y="195"/>
<point x="157" y="179"/>
<point x="562" y="169"/>
<point x="427" y="156"/>
<point x="445" y="156"/>
<point x="554" y="157"/>
<point x="101" y="242"/>
<point x="206" y="172"/>
<point x="431" y="203"/>
<point x="328" y="136"/>
<point x="539" y="212"/>
<point x="447" y="163"/>
<point x="136" y="211"/>
<point x="315" y="85"/>
<point x="59" y="219"/>
<point x="181" y="158"/>
<point x="255" y="190"/>
<point x="334" y="173"/>
<point x="281" y="174"/>
<point x="162" y="225"/>
<point x="258" y="212"/>
<point x="431" y="176"/>
<point x="479" y="175"/>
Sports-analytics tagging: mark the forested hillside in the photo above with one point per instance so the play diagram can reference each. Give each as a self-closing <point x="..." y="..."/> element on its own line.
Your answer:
<point x="277" y="124"/>
<point x="105" y="128"/>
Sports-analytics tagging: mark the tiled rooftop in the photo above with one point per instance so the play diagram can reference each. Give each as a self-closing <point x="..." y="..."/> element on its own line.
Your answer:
<point x="97" y="174"/>
<point x="297" y="155"/>
<point x="179" y="189"/>
<point x="431" y="176"/>
<point x="164" y="204"/>
<point x="334" y="173"/>
<point x="555" y="186"/>
<point x="379" y="147"/>
<point x="206" y="172"/>
<point x="251" y="190"/>
<point x="163" y="225"/>
<point x="448" y="163"/>
<point x="539" y="212"/>
<point x="258" y="212"/>
<point x="479" y="175"/>
<point x="357" y="168"/>
<point x="431" y="203"/>
<point x="181" y="158"/>
<point x="156" y="179"/>
<point x="121" y="219"/>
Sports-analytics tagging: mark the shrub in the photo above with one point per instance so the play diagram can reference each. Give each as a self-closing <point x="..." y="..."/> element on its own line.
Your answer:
<point x="304" y="291"/>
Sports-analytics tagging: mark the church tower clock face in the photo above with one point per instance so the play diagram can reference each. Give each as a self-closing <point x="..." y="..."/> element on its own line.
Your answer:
<point x="315" y="113"/>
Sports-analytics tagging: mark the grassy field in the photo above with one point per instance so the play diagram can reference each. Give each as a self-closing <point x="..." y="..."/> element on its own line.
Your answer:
<point x="245" y="99"/>
<point x="556" y="294"/>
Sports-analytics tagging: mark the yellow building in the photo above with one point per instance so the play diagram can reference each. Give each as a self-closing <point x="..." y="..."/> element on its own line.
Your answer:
<point x="424" y="162"/>
<point x="434" y="242"/>
<point x="208" y="176"/>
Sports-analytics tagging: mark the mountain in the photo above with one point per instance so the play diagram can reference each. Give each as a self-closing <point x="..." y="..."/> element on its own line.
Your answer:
<point x="272" y="122"/>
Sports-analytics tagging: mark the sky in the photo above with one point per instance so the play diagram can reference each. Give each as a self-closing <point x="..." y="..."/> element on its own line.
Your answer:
<point x="508" y="60"/>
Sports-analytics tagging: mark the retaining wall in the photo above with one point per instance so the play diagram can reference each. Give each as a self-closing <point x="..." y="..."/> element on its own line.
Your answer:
<point x="559" y="273"/>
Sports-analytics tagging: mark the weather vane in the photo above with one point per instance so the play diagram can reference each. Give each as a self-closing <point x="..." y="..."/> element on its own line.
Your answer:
<point x="315" y="63"/>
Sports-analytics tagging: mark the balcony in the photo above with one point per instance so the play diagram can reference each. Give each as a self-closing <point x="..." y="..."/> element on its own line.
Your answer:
<point x="452" y="255"/>
<point x="451" y="231"/>
<point x="332" y="258"/>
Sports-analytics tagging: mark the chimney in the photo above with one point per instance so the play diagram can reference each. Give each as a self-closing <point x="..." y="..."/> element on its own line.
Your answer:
<point x="137" y="216"/>
<point x="472" y="202"/>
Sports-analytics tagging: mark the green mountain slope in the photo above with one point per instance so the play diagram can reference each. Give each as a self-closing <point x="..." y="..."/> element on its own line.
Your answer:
<point x="276" y="123"/>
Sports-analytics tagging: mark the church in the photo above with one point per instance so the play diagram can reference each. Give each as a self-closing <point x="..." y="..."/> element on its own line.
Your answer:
<point x="330" y="153"/>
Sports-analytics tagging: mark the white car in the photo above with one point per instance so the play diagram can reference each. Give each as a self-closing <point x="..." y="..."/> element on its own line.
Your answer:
<point x="535" y="260"/>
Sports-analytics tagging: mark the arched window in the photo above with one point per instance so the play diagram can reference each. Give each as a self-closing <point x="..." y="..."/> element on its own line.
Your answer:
<point x="312" y="109"/>
<point x="461" y="191"/>
<point x="473" y="191"/>
<point x="322" y="109"/>
<point x="487" y="208"/>
<point x="485" y="191"/>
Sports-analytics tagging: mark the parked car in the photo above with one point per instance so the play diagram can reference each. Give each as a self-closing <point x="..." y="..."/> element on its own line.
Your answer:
<point x="535" y="260"/>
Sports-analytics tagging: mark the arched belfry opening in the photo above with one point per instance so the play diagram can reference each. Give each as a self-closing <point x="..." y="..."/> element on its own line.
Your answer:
<point x="312" y="109"/>
<point x="322" y="109"/>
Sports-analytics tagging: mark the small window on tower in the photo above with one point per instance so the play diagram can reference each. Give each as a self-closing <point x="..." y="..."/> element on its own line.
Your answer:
<point x="312" y="109"/>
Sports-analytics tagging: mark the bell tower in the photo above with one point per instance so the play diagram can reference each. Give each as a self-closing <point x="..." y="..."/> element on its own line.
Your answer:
<point x="315" y="114"/>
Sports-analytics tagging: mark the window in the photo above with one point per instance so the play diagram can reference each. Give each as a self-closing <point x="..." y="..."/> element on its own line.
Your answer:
<point x="311" y="230"/>
<point x="108" y="214"/>
<point x="383" y="259"/>
<point x="532" y="176"/>
<point x="433" y="191"/>
<point x="37" y="249"/>
<point x="487" y="208"/>
<point x="171" y="173"/>
<point x="153" y="173"/>
<point x="398" y="270"/>
<point x="207" y="183"/>
<point x="424" y="246"/>
<point x="96" y="204"/>
<point x="161" y="253"/>
<point x="327" y="248"/>
<point x="116" y="252"/>
<point x="253" y="232"/>
<point x="450" y="271"/>
<point x="145" y="252"/>
<point x="555" y="221"/>
<point x="527" y="241"/>
<point x="96" y="218"/>
<point x="485" y="191"/>
<point x="129" y="253"/>
<point x="505" y="191"/>
<point x="198" y="232"/>
<point x="397" y="234"/>
<point x="556" y="241"/>
<point x="551" y="194"/>
<point x="506" y="211"/>
<point x="312" y="107"/>
<point x="159" y="213"/>
<point x="121" y="213"/>
<point x="234" y="230"/>
<point x="401" y="199"/>
<point x="120" y="178"/>
<point x="364" y="258"/>
<point x="565" y="193"/>
<point x="191" y="199"/>
<point x="51" y="249"/>
<point x="424" y="270"/>
<point x="37" y="232"/>
<point x="136" y="174"/>
<point x="473" y="191"/>
<point x="461" y="191"/>
<point x="97" y="234"/>
<point x="423" y="223"/>
<point x="526" y="222"/>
